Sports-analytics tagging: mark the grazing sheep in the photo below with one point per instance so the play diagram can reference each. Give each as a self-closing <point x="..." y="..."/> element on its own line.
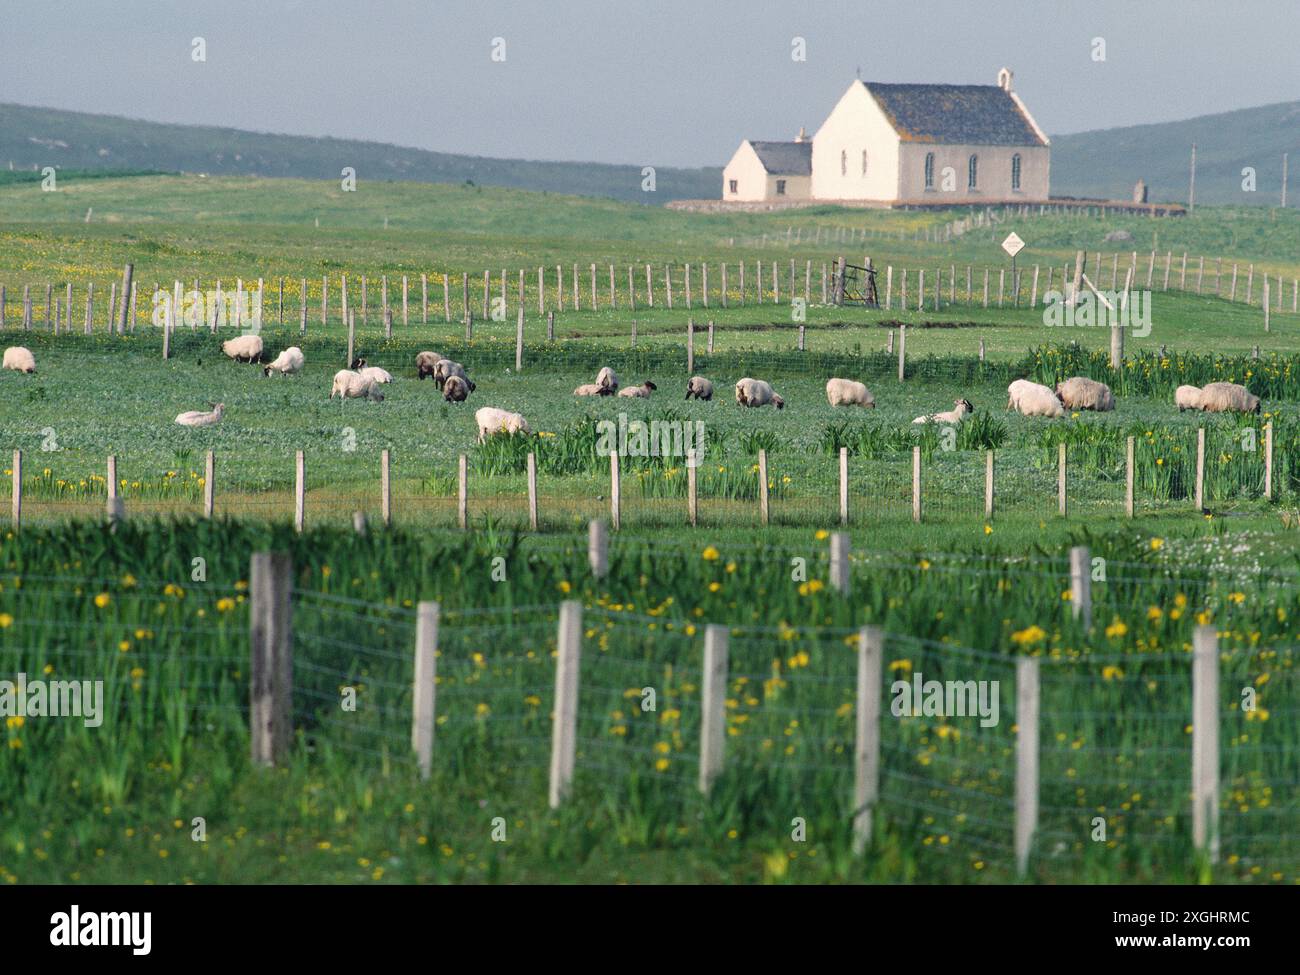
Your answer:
<point x="1229" y="398"/>
<point x="607" y="378"/>
<point x="425" y="363"/>
<point x="378" y="375"/>
<point x="962" y="408"/>
<point x="358" y="364"/>
<point x="197" y="418"/>
<point x="1031" y="399"/>
<point x="455" y="389"/>
<point x="847" y="392"/>
<point x="445" y="368"/>
<point x="287" y="363"/>
<point x="640" y="392"/>
<point x="1082" y="393"/>
<point x="1187" y="398"/>
<point x="593" y="389"/>
<point x="492" y="421"/>
<point x="243" y="348"/>
<point x="700" y="388"/>
<point x="755" y="392"/>
<point x="19" y="359"/>
<point x="353" y="385"/>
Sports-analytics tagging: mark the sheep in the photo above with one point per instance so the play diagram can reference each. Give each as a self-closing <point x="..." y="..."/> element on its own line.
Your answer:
<point x="243" y="348"/>
<point x="492" y="421"/>
<point x="640" y="392"/>
<point x="20" y="359"/>
<point x="700" y="388"/>
<point x="962" y="408"/>
<point x="755" y="392"/>
<point x="287" y="363"/>
<point x="1187" y="398"/>
<point x="847" y="392"/>
<point x="374" y="372"/>
<point x="444" y="368"/>
<point x="425" y="363"/>
<point x="1031" y="399"/>
<point x="1082" y="393"/>
<point x="455" y="389"/>
<point x="358" y="364"/>
<point x="1229" y="398"/>
<point x="593" y="389"/>
<point x="353" y="385"/>
<point x="607" y="378"/>
<point x="197" y="418"/>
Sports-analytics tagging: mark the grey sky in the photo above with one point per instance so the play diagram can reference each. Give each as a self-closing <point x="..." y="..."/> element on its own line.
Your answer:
<point x="674" y="82"/>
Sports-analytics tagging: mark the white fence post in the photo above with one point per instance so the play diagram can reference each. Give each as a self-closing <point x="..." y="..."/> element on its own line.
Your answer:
<point x="763" y="508"/>
<point x="209" y="484"/>
<point x="1205" y="741"/>
<point x="299" y="491"/>
<point x="866" y="764"/>
<point x="615" y="499"/>
<point x="17" y="510"/>
<point x="839" y="559"/>
<point x="713" y="705"/>
<point x="1200" y="468"/>
<point x="424" y="712"/>
<point x="1026" y="759"/>
<point x="598" y="548"/>
<point x="844" y="485"/>
<point x="270" y="686"/>
<point x="1081" y="584"/>
<point x="462" y="492"/>
<point x="564" y="732"/>
<point x="532" y="491"/>
<point x="386" y="486"/>
<point x="988" y="484"/>
<point x="916" y="484"/>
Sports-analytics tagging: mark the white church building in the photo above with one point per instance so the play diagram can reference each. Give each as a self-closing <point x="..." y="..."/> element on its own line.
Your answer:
<point x="904" y="144"/>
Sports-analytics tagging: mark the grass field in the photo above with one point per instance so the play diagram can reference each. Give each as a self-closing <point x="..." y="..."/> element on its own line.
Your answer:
<point x="960" y="595"/>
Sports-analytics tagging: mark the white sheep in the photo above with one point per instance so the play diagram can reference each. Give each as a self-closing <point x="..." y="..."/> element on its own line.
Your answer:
<point x="287" y="363"/>
<point x="455" y="389"/>
<point x="700" y="388"/>
<point x="492" y="421"/>
<point x="1031" y="399"/>
<point x="638" y="392"/>
<point x="425" y="363"/>
<point x="1229" y="398"/>
<point x="756" y="392"/>
<point x="607" y="378"/>
<point x="847" y="392"/>
<point x="445" y="368"/>
<point x="243" y="348"/>
<point x="197" y="418"/>
<point x="353" y="385"/>
<point x="962" y="408"/>
<point x="1187" y="398"/>
<point x="19" y="359"/>
<point x="593" y="389"/>
<point x="380" y="376"/>
<point x="1082" y="393"/>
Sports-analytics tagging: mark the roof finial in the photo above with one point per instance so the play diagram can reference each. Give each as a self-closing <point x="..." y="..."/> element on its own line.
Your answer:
<point x="1004" y="79"/>
<point x="859" y="72"/>
<point x="802" y="136"/>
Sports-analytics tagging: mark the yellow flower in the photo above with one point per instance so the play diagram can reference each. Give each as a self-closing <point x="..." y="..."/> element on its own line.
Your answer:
<point x="564" y="586"/>
<point x="1117" y="628"/>
<point x="1156" y="544"/>
<point x="821" y="534"/>
<point x="6" y="621"/>
<point x="901" y="665"/>
<point x="710" y="554"/>
<point x="225" y="605"/>
<point x="102" y="600"/>
<point x="1111" y="672"/>
<point x="1032" y="634"/>
<point x="1154" y="613"/>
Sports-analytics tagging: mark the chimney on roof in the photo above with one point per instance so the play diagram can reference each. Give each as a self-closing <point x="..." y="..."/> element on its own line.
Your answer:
<point x="1004" y="79"/>
<point x="802" y="136"/>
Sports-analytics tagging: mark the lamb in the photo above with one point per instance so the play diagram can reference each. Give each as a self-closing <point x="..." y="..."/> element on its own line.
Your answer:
<point x="20" y="359"/>
<point x="445" y="368"/>
<point x="425" y="363"/>
<point x="847" y="392"/>
<point x="197" y="418"/>
<point x="607" y="378"/>
<point x="700" y="388"/>
<point x="755" y="392"/>
<point x="243" y="348"/>
<point x="1187" y="398"/>
<point x="640" y="392"/>
<point x="1229" y="398"/>
<point x="374" y="372"/>
<point x="455" y="389"/>
<point x="353" y="385"/>
<point x="962" y="408"/>
<point x="287" y="363"/>
<point x="593" y="389"/>
<point x="492" y="421"/>
<point x="1031" y="399"/>
<point x="1082" y="393"/>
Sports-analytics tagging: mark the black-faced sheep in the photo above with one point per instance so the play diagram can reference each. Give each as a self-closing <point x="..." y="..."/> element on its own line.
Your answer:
<point x="639" y="392"/>
<point x="962" y="408"/>
<point x="455" y="389"/>
<point x="699" y="388"/>
<point x="287" y="363"/>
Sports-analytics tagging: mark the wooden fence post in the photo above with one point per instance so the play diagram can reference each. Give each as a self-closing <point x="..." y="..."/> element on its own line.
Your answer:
<point x="1060" y="480"/>
<point x="1268" y="461"/>
<point x="127" y="273"/>
<point x="1128" y="477"/>
<point x="598" y="548"/>
<point x="1081" y="585"/>
<point x="424" y="689"/>
<point x="690" y="346"/>
<point x="844" y="485"/>
<point x="866" y="758"/>
<point x="424" y="299"/>
<point x="692" y="499"/>
<point x="1027" y="701"/>
<point x="763" y="509"/>
<point x="839" y="562"/>
<point x="302" y="307"/>
<point x="713" y="706"/>
<point x="16" y="511"/>
<point x="1200" y="468"/>
<point x="532" y="491"/>
<point x="270" y="715"/>
<point x="1205" y="740"/>
<point x="564" y="732"/>
<point x="615" y="487"/>
<point x="519" y="341"/>
<point x="988" y="484"/>
<point x="209" y="484"/>
<point x="902" y="351"/>
<point x="916" y="484"/>
<point x="385" y="487"/>
<point x="352" y="338"/>
<point x="299" y="491"/>
<point x="462" y="492"/>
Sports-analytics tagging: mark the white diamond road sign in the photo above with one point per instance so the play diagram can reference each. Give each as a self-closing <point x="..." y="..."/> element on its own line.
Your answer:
<point x="1013" y="245"/>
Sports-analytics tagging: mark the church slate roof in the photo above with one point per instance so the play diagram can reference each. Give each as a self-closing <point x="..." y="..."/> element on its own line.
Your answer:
<point x="785" y="158"/>
<point x="955" y="114"/>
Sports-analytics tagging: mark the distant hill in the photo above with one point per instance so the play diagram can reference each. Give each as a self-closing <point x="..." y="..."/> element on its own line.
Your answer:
<point x="1108" y="162"/>
<point x="1104" y="163"/>
<point x="78" y="140"/>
